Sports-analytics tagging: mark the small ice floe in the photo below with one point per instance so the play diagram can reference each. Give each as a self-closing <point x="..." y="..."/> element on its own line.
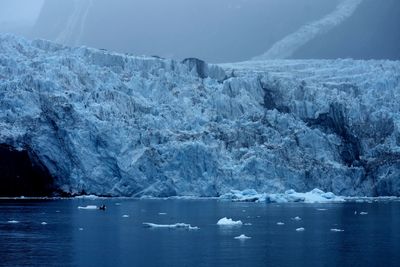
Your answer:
<point x="321" y="209"/>
<point x="301" y="229"/>
<point x="89" y="207"/>
<point x="248" y="224"/>
<point x="162" y="213"/>
<point x="171" y="226"/>
<point x="355" y="212"/>
<point x="243" y="210"/>
<point x="297" y="218"/>
<point x="117" y="204"/>
<point x="229" y="222"/>
<point x="242" y="237"/>
<point x="80" y="229"/>
<point x="57" y="211"/>
<point x="125" y="216"/>
<point x="43" y="223"/>
<point x="363" y="213"/>
<point x="337" y="230"/>
<point x="280" y="223"/>
<point x="13" y="222"/>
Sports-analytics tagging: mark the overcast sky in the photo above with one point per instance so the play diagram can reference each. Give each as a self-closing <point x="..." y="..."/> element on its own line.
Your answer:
<point x="213" y="30"/>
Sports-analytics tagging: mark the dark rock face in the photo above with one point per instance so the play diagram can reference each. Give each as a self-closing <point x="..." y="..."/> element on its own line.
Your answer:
<point x="21" y="174"/>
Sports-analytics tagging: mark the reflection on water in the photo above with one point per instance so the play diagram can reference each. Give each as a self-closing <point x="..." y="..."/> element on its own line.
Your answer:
<point x="74" y="237"/>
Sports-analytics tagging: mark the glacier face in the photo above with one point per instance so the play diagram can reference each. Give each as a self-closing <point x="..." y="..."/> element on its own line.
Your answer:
<point x="118" y="125"/>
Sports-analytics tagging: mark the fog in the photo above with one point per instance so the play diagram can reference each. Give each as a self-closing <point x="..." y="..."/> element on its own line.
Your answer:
<point x="213" y="30"/>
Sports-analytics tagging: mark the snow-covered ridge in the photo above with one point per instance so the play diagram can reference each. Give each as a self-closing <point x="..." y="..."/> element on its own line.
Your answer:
<point x="118" y="125"/>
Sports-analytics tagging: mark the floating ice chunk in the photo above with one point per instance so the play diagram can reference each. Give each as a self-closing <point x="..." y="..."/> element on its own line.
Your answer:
<point x="363" y="213"/>
<point x="171" y="226"/>
<point x="80" y="229"/>
<point x="87" y="197"/>
<point x="162" y="213"/>
<point x="297" y="218"/>
<point x="229" y="222"/>
<point x="117" y="204"/>
<point x="44" y="223"/>
<point x="355" y="212"/>
<point x="13" y="221"/>
<point x="57" y="211"/>
<point x="301" y="229"/>
<point x="336" y="230"/>
<point x="242" y="237"/>
<point x="280" y="223"/>
<point x="89" y="207"/>
<point x="248" y="224"/>
<point x="322" y="209"/>
<point x="125" y="216"/>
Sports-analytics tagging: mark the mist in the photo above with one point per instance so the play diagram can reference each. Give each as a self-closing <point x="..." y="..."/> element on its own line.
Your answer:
<point x="215" y="31"/>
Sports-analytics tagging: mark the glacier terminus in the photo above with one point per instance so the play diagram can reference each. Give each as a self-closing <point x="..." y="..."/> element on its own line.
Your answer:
<point x="115" y="124"/>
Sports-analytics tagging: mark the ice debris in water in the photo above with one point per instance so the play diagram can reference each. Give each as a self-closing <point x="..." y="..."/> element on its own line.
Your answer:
<point x="363" y="213"/>
<point x="171" y="226"/>
<point x="248" y="224"/>
<point x="89" y="207"/>
<point x="91" y="197"/>
<point x="297" y="218"/>
<point x="280" y="223"/>
<point x="13" y="221"/>
<point x="321" y="209"/>
<point x="80" y="229"/>
<point x="242" y="237"/>
<point x="336" y="230"/>
<point x="301" y="229"/>
<point x="125" y="216"/>
<point x="162" y="213"/>
<point x="229" y="222"/>
<point x="44" y="223"/>
<point x="314" y="196"/>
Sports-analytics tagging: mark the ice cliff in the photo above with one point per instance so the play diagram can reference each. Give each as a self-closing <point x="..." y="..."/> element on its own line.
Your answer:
<point x="120" y="125"/>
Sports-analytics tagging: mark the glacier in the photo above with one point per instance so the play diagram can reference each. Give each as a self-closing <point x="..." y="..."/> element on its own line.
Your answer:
<point x="114" y="124"/>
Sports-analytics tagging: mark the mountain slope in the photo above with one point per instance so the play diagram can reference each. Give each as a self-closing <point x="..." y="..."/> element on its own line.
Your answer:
<point x="119" y="125"/>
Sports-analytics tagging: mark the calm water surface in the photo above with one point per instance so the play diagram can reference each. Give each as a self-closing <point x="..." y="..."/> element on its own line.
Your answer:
<point x="74" y="237"/>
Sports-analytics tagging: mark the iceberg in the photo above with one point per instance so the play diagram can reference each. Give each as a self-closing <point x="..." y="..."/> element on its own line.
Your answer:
<point x="337" y="230"/>
<point x="89" y="207"/>
<point x="13" y="222"/>
<point x="242" y="237"/>
<point x="229" y="222"/>
<point x="171" y="226"/>
<point x="301" y="229"/>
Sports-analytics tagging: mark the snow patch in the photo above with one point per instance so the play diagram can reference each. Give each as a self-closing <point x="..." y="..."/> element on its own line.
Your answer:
<point x="288" y="45"/>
